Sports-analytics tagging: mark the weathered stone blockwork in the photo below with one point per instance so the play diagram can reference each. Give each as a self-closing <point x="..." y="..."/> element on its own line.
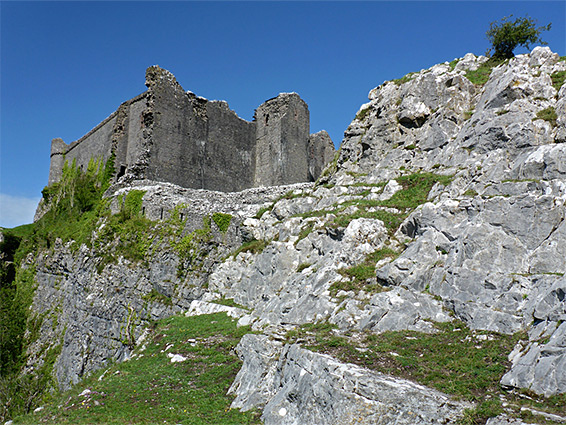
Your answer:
<point x="167" y="134"/>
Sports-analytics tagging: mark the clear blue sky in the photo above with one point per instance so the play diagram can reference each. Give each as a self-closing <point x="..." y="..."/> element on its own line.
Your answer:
<point x="65" y="66"/>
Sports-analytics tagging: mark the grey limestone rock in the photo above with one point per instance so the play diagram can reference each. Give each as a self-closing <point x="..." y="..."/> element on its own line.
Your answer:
<point x="297" y="386"/>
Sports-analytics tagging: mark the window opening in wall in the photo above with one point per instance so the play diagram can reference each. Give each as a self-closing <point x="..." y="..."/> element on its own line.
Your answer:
<point x="122" y="171"/>
<point x="161" y="214"/>
<point x="266" y="118"/>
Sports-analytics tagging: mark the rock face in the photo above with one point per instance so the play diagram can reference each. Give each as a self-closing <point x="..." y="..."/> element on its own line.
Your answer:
<point x="451" y="194"/>
<point x="169" y="135"/>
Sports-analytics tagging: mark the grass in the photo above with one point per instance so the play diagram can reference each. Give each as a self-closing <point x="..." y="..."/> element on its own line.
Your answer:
<point x="150" y="389"/>
<point x="404" y="79"/>
<point x="304" y="232"/>
<point x="289" y="195"/>
<point x="254" y="246"/>
<point x="303" y="266"/>
<point x="549" y="115"/>
<point x="359" y="274"/>
<point x="155" y="296"/>
<point x="360" y="116"/>
<point x="452" y="64"/>
<point x="481" y="75"/>
<point x="222" y="221"/>
<point x="414" y="192"/>
<point x="458" y="361"/>
<point x="229" y="302"/>
<point x="558" y="78"/>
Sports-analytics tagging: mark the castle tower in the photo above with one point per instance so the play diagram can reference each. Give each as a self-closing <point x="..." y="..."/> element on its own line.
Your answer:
<point x="58" y="149"/>
<point x="282" y="135"/>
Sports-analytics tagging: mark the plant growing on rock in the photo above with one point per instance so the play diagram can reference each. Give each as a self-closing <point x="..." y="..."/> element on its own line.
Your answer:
<point x="506" y="35"/>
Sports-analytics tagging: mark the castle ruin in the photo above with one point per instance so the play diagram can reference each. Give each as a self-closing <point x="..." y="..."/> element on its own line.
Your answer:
<point x="167" y="134"/>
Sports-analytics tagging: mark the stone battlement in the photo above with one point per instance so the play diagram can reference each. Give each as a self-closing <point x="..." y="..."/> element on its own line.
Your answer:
<point x="167" y="134"/>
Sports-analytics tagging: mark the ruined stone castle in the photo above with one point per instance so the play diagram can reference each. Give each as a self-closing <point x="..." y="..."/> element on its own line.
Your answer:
<point x="167" y="134"/>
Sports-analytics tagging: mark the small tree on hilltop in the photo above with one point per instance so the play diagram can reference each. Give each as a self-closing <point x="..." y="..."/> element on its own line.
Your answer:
<point x="506" y="35"/>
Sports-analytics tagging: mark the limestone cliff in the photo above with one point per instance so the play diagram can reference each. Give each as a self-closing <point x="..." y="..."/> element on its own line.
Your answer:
<point x="442" y="216"/>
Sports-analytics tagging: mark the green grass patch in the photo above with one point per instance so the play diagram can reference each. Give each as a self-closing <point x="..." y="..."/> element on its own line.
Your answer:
<point x="549" y="115"/>
<point x="222" y="221"/>
<point x="305" y="231"/>
<point x="558" y="78"/>
<point x="404" y="79"/>
<point x="303" y="266"/>
<point x="289" y="195"/>
<point x="481" y="75"/>
<point x="361" y="273"/>
<point x="229" y="302"/>
<point x="133" y="204"/>
<point x="156" y="296"/>
<point x="452" y="64"/>
<point x="416" y="188"/>
<point x="360" y="116"/>
<point x="414" y="192"/>
<point x="149" y="389"/>
<point x="254" y="246"/>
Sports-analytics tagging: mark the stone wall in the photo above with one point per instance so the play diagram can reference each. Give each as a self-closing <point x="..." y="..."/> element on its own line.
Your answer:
<point x="169" y="135"/>
<point x="282" y="130"/>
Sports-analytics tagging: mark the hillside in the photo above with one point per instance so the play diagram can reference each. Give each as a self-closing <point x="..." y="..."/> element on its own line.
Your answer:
<point x="419" y="280"/>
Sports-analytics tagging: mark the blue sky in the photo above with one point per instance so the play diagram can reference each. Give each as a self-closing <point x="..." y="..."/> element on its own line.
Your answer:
<point x="65" y="66"/>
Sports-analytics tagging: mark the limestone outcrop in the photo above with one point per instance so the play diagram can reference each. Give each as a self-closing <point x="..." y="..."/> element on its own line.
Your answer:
<point x="446" y="204"/>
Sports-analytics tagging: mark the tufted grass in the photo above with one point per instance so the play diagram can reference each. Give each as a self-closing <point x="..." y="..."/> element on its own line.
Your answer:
<point x="149" y="389"/>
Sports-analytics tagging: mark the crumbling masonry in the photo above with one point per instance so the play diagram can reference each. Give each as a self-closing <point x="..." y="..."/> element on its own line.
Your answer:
<point x="167" y="134"/>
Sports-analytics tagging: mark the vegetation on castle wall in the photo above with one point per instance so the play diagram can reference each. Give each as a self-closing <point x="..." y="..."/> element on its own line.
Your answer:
<point x="133" y="203"/>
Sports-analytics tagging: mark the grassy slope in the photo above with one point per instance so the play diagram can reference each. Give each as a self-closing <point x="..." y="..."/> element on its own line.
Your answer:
<point x="150" y="389"/>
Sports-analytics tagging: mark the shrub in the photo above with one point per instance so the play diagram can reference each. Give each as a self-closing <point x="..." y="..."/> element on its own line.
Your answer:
<point x="506" y="35"/>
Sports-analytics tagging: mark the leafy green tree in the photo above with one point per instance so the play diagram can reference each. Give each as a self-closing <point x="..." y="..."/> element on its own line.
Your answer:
<point x="506" y="35"/>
